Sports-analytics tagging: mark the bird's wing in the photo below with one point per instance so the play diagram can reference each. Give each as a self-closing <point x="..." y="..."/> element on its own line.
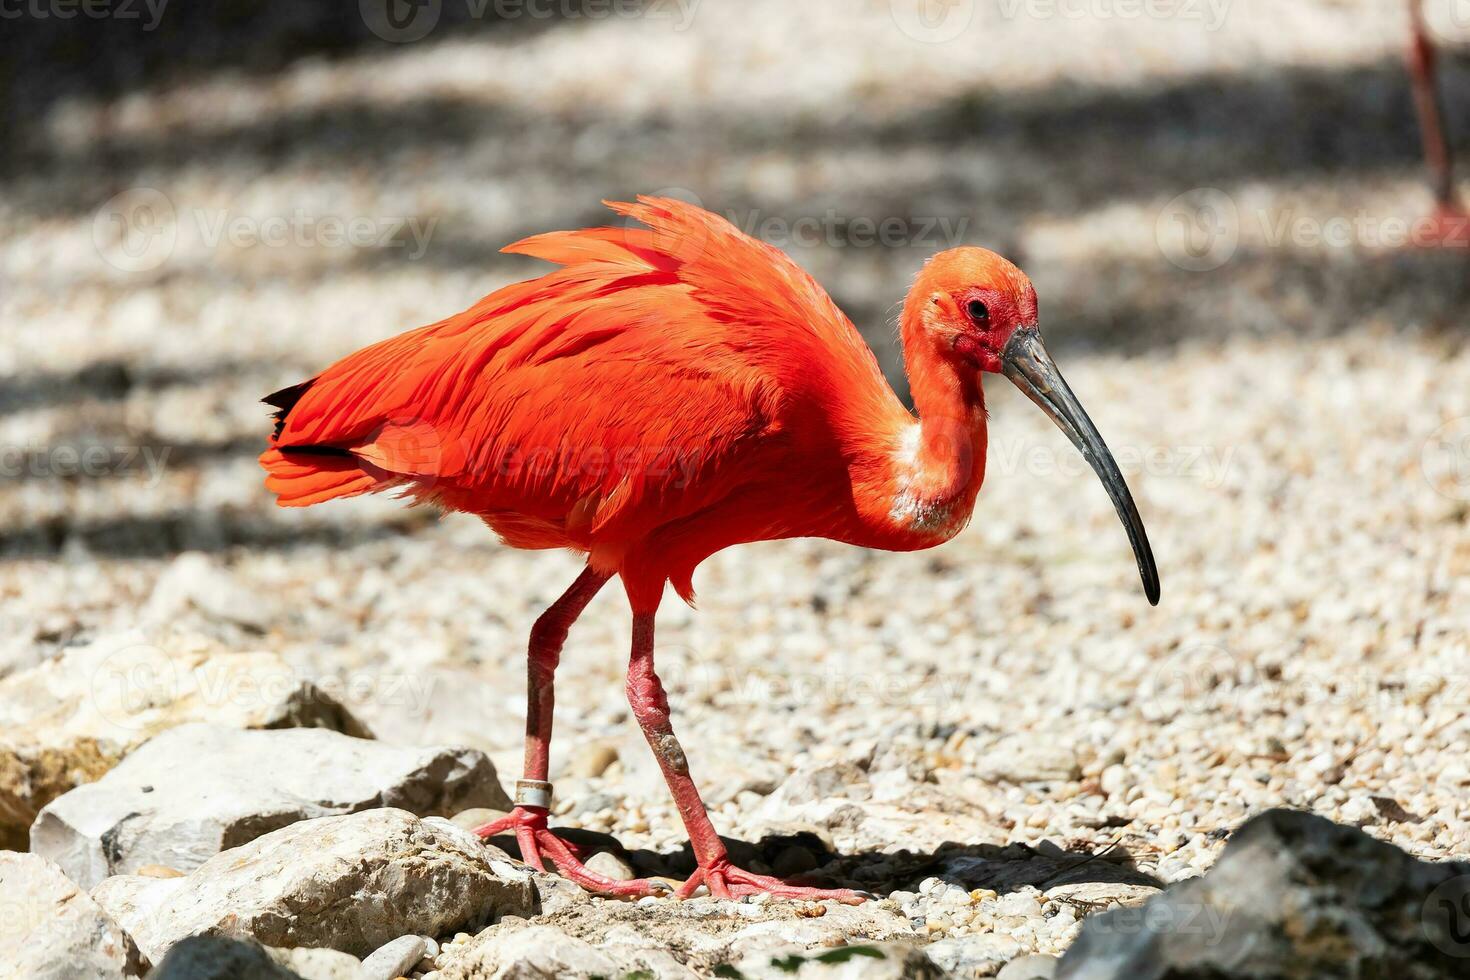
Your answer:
<point x="683" y="337"/>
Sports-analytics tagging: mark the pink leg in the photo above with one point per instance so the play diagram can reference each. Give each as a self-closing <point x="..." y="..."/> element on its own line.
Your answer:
<point x="651" y="707"/>
<point x="528" y="820"/>
<point x="1428" y="103"/>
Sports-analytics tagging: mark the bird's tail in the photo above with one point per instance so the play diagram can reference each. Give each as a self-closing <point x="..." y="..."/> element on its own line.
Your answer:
<point x="302" y="476"/>
<point x="300" y="479"/>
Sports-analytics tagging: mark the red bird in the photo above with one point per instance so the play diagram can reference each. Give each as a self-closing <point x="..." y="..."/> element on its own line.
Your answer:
<point x="670" y="391"/>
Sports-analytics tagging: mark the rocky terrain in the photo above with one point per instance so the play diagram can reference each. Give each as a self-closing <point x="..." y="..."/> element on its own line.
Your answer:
<point x="272" y="729"/>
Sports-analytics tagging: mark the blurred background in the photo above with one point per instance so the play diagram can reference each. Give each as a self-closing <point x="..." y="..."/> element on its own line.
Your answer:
<point x="1224" y="205"/>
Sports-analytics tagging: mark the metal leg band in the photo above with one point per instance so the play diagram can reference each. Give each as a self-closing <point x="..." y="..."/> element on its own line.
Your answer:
<point x="533" y="792"/>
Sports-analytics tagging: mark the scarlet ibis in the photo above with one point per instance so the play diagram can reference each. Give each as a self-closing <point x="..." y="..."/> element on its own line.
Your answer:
<point x="672" y="390"/>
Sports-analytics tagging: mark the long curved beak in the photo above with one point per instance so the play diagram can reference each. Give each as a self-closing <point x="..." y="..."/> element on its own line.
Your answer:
<point x="1028" y="365"/>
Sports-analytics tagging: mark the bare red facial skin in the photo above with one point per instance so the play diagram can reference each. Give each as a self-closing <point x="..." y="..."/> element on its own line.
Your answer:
<point x="989" y="317"/>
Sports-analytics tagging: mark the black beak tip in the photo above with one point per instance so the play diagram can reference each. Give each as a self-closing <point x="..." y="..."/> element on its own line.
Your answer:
<point x="1151" y="589"/>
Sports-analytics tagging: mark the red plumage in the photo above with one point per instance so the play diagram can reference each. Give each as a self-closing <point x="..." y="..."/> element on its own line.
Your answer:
<point x="668" y="391"/>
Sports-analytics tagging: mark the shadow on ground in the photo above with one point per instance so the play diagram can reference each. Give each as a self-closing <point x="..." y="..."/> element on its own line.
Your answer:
<point x="807" y="859"/>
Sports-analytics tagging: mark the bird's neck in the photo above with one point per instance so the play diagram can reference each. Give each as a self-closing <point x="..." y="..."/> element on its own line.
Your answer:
<point x="937" y="463"/>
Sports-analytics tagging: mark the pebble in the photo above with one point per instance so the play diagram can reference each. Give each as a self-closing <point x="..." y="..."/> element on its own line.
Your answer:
<point x="394" y="959"/>
<point x="1029" y="968"/>
<point x="610" y="865"/>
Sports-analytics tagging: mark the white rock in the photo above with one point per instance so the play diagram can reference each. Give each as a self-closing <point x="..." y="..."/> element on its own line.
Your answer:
<point x="1116" y="780"/>
<point x="51" y="930"/>
<point x="1359" y="810"/>
<point x="973" y="956"/>
<point x="1024" y="759"/>
<point x="198" y="789"/>
<point x="609" y="865"/>
<point x="316" y="964"/>
<point x="858" y="961"/>
<point x="1029" y="968"/>
<point x="194" y="580"/>
<point x="72" y="719"/>
<point x="1104" y="893"/>
<point x="352" y="883"/>
<point x="811" y="783"/>
<point x="1021" y="903"/>
<point x="534" y="952"/>
<point x="395" y="959"/>
<point x="837" y="926"/>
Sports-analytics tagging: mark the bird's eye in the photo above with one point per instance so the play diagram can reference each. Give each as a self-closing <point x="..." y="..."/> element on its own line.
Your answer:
<point x="978" y="311"/>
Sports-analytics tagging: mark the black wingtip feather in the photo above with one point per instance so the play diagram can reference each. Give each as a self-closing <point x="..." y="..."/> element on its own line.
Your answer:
<point x="285" y="400"/>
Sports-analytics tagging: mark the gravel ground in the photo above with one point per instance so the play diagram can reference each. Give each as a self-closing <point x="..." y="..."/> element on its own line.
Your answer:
<point x="1294" y="418"/>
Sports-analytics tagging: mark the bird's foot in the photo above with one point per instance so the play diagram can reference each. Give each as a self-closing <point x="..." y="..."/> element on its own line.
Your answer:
<point x="724" y="880"/>
<point x="537" y="843"/>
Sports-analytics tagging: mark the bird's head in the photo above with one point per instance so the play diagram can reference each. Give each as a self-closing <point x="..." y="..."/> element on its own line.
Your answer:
<point x="976" y="311"/>
<point x="968" y="303"/>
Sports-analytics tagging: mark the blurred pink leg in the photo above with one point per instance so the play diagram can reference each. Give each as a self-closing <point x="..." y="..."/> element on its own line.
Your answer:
<point x="1428" y="101"/>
